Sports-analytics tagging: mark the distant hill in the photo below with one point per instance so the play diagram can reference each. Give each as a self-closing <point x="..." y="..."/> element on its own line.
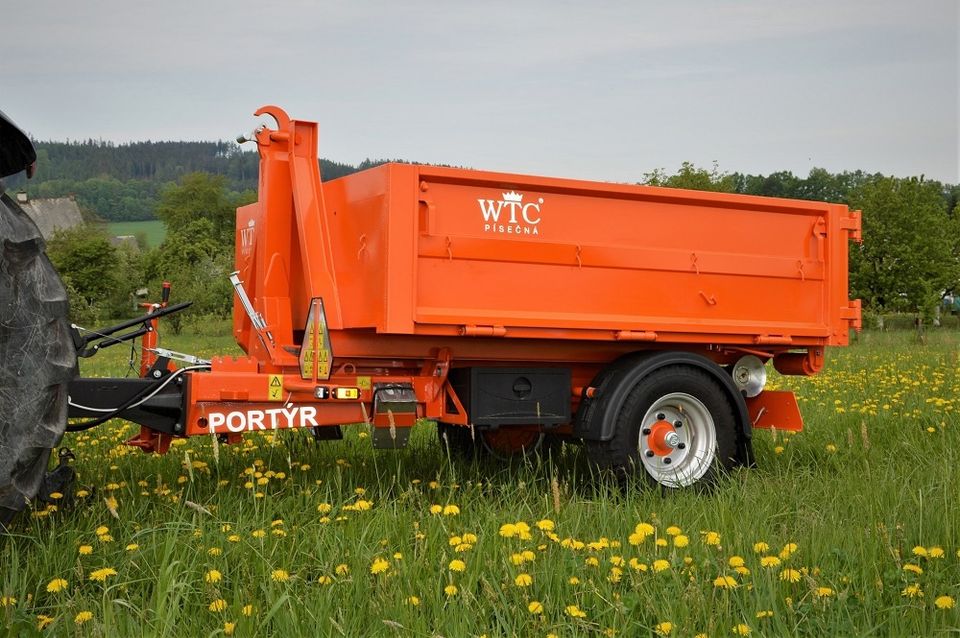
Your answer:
<point x="122" y="182"/>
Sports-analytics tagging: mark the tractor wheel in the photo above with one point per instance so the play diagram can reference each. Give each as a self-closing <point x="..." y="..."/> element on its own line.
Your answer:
<point x="676" y="428"/>
<point x="503" y="443"/>
<point x="37" y="359"/>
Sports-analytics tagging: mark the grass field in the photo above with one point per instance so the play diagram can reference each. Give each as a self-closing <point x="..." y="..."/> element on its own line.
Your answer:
<point x="849" y="529"/>
<point x="153" y="230"/>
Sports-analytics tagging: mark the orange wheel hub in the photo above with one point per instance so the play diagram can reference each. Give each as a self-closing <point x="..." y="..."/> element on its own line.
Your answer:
<point x="656" y="440"/>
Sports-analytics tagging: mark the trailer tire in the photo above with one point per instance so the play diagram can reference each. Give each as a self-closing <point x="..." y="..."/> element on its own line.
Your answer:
<point x="37" y="359"/>
<point x="642" y="445"/>
<point x="503" y="444"/>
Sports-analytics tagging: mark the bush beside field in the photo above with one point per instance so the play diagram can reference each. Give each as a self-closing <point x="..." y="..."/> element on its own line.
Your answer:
<point x="849" y="528"/>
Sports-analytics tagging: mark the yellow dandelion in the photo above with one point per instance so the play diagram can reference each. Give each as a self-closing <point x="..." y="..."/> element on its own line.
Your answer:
<point x="725" y="582"/>
<point x="413" y="601"/>
<point x="7" y="601"/>
<point x="736" y="561"/>
<point x="615" y="575"/>
<point x="573" y="580"/>
<point x="324" y="508"/>
<point x="324" y="580"/>
<point x="760" y="547"/>
<point x="660" y="564"/>
<point x="766" y="613"/>
<point x="229" y="628"/>
<point x="103" y="530"/>
<point x="83" y="617"/>
<point x="910" y="567"/>
<point x="213" y="576"/>
<point x="935" y="552"/>
<point x="379" y="566"/>
<point x="823" y="592"/>
<point x="591" y="561"/>
<point x="545" y="525"/>
<point x="831" y="448"/>
<point x="508" y="530"/>
<point x="218" y="606"/>
<point x="214" y="551"/>
<point x="457" y="565"/>
<point x="279" y="576"/>
<point x="523" y="580"/>
<point x="575" y="612"/>
<point x="450" y="590"/>
<point x="912" y="591"/>
<point x="85" y="550"/>
<point x="451" y="510"/>
<point x="436" y="509"/>
<point x="741" y="630"/>
<point x="258" y="533"/>
<point x="661" y="542"/>
<point x="56" y="585"/>
<point x="536" y="607"/>
<point x="43" y="621"/>
<point x="233" y="538"/>
<point x="680" y="540"/>
<point x="342" y="570"/>
<point x="664" y="628"/>
<point x="100" y="575"/>
<point x="247" y="610"/>
<point x="944" y="602"/>
<point x="788" y="550"/>
<point x="636" y="565"/>
<point x="920" y="550"/>
<point x="770" y="561"/>
<point x="673" y="530"/>
<point x="790" y="576"/>
<point x="711" y="538"/>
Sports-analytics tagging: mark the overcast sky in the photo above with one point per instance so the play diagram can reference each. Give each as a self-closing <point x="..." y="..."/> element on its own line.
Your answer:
<point x="598" y="90"/>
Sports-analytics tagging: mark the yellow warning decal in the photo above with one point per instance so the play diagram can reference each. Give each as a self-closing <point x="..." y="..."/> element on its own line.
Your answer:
<point x="275" y="388"/>
<point x="363" y="383"/>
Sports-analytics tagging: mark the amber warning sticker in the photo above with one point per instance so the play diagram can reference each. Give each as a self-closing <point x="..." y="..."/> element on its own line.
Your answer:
<point x="275" y="388"/>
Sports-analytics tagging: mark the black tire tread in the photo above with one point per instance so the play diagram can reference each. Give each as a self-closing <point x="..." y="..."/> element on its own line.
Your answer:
<point x="37" y="359"/>
<point x="620" y="455"/>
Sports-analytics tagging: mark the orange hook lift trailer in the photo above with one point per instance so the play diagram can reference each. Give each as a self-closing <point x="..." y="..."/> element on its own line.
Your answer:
<point x="505" y="307"/>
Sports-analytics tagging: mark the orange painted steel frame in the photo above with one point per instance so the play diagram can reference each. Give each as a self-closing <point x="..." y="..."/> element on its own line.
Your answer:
<point x="423" y="268"/>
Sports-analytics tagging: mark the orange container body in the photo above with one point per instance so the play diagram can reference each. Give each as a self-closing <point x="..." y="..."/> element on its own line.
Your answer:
<point x="421" y="269"/>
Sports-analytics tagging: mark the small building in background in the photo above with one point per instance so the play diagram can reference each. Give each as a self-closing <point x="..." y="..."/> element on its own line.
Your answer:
<point x="51" y="214"/>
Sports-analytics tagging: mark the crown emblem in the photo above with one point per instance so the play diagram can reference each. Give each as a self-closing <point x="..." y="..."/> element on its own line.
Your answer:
<point x="512" y="197"/>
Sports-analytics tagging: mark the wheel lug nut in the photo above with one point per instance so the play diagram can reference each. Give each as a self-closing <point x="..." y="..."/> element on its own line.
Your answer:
<point x="678" y="423"/>
<point x="681" y="446"/>
<point x="661" y="416"/>
<point x="667" y="461"/>
<point x="649" y="453"/>
<point x="646" y="431"/>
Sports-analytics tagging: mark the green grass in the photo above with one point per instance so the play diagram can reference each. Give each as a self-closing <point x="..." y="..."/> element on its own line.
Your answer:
<point x="154" y="230"/>
<point x="874" y="476"/>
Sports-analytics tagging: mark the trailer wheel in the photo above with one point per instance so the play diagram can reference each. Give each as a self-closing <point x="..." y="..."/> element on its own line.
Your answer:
<point x="37" y="359"/>
<point x="676" y="428"/>
<point x="503" y="443"/>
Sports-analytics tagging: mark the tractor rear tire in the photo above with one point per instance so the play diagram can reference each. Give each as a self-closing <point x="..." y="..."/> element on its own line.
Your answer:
<point x="37" y="359"/>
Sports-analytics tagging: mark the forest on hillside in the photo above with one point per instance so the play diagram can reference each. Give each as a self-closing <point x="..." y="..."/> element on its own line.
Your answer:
<point x="124" y="182"/>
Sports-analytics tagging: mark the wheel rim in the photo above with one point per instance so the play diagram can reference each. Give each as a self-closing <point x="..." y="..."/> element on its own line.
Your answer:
<point x="678" y="440"/>
<point x="505" y="443"/>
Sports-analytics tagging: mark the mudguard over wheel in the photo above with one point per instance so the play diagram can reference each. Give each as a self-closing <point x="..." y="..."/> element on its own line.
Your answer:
<point x="676" y="428"/>
<point x="37" y="359"/>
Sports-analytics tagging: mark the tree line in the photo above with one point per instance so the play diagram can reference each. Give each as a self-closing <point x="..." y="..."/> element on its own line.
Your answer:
<point x="124" y="182"/>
